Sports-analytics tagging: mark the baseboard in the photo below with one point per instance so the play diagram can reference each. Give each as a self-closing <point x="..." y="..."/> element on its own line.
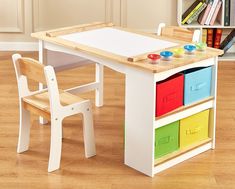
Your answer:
<point x="18" y="46"/>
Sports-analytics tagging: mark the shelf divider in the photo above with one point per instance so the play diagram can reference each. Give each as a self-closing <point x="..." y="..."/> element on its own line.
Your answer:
<point x="183" y="112"/>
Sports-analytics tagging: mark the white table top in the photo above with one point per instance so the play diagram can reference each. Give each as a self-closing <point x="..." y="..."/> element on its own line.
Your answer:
<point x="118" y="42"/>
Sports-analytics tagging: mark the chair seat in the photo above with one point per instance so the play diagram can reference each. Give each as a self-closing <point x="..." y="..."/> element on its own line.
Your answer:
<point x="39" y="103"/>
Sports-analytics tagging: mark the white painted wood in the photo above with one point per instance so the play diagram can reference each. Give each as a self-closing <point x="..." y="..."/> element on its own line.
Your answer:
<point x="109" y="63"/>
<point x="62" y="61"/>
<point x="56" y="144"/>
<point x="83" y="88"/>
<point x="212" y="119"/>
<point x="118" y="42"/>
<point x="88" y="131"/>
<point x="204" y="63"/>
<point x="24" y="127"/>
<point x="139" y="118"/>
<point x="100" y="89"/>
<point x="196" y="36"/>
<point x="183" y="114"/>
<point x="42" y="59"/>
<point x="140" y="121"/>
<point x="182" y="158"/>
<point x="24" y="130"/>
<point x="58" y="113"/>
<point x="56" y="120"/>
<point x="179" y="11"/>
<point x="159" y="29"/>
<point x="55" y="106"/>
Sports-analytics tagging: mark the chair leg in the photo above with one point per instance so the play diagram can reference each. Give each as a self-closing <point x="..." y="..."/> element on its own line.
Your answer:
<point x="88" y="133"/>
<point x="24" y="130"/>
<point x="56" y="145"/>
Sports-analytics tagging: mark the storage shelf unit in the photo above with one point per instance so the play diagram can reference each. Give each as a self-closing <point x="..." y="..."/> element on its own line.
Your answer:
<point x="181" y="151"/>
<point x="183" y="5"/>
<point x="182" y="154"/>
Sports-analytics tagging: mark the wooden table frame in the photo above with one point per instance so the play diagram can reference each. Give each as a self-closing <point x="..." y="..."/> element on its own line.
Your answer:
<point x="140" y="92"/>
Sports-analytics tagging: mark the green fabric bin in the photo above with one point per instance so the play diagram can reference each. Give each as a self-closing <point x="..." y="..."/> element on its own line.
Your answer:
<point x="166" y="139"/>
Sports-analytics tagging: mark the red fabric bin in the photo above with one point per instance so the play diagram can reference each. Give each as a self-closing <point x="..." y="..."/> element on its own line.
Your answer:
<point x="169" y="94"/>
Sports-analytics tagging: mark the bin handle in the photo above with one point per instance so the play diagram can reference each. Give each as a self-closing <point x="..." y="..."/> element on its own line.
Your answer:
<point x="165" y="140"/>
<point x="170" y="97"/>
<point x="193" y="131"/>
<point x="198" y="86"/>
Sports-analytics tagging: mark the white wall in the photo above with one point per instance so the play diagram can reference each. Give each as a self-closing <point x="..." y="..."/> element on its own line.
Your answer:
<point x="19" y="18"/>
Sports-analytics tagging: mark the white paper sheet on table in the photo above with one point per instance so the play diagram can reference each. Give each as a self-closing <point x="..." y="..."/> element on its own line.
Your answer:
<point x="118" y="42"/>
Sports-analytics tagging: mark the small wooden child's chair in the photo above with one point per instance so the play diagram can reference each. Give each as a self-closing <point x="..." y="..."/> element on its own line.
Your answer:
<point x="179" y="33"/>
<point x="52" y="104"/>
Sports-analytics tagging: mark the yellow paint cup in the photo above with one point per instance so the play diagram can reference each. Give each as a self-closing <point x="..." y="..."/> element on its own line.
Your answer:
<point x="178" y="52"/>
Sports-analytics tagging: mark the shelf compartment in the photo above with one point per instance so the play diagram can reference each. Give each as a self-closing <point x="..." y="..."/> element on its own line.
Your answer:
<point x="190" y="150"/>
<point x="166" y="139"/>
<point x="194" y="128"/>
<point x="169" y="94"/>
<point x="183" y="5"/>
<point x="184" y="112"/>
<point x="196" y="25"/>
<point x="227" y="57"/>
<point x="197" y="84"/>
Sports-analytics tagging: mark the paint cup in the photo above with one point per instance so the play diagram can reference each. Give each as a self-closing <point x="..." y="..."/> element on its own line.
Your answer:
<point x="154" y="58"/>
<point x="178" y="52"/>
<point x="189" y="49"/>
<point x="166" y="55"/>
<point x="201" y="46"/>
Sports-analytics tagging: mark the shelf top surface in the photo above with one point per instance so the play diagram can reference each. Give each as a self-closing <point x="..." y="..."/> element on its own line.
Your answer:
<point x="122" y="45"/>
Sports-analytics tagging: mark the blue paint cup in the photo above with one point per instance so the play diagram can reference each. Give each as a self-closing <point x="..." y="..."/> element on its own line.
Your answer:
<point x="166" y="55"/>
<point x="189" y="49"/>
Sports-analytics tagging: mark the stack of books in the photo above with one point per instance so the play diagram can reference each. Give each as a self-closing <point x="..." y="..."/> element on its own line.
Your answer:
<point x="204" y="12"/>
<point x="228" y="41"/>
<point x="212" y="36"/>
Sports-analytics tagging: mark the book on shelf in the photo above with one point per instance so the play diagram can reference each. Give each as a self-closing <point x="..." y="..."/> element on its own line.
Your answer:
<point x="196" y="13"/>
<point x="217" y="38"/>
<point x="228" y="41"/>
<point x="191" y="10"/>
<point x="229" y="45"/>
<point x="212" y="10"/>
<point x="210" y="37"/>
<point x="232" y="12"/>
<point x="227" y="12"/>
<point x="204" y="14"/>
<point x="204" y="35"/>
<point x="215" y="14"/>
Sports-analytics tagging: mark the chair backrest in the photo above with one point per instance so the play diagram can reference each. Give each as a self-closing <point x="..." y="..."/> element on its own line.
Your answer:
<point x="32" y="69"/>
<point x="27" y="68"/>
<point x="178" y="33"/>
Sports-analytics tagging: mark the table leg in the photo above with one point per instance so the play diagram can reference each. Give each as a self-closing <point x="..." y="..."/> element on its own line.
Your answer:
<point x="42" y="59"/>
<point x="100" y="80"/>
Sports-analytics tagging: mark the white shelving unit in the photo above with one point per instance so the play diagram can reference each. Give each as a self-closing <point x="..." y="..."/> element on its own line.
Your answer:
<point x="181" y="155"/>
<point x="183" y="5"/>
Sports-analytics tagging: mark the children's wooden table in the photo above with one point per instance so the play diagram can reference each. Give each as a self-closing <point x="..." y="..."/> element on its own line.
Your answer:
<point x="126" y="51"/>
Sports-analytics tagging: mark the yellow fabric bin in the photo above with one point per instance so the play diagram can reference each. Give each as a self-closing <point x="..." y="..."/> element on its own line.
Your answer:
<point x="194" y="128"/>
